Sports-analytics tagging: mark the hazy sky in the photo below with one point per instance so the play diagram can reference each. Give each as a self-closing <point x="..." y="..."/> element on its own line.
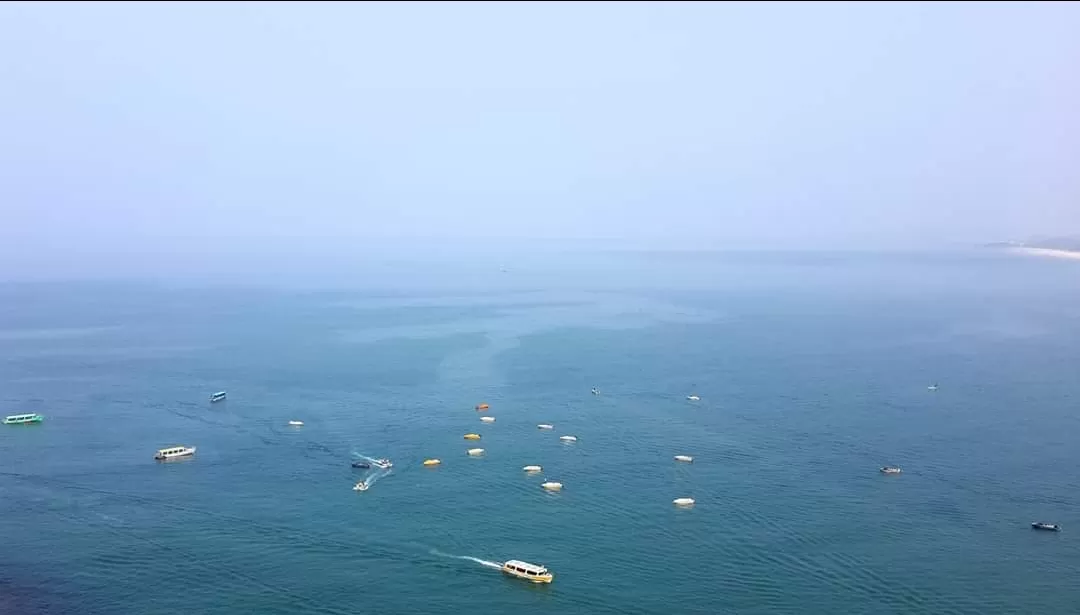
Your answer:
<point x="171" y="130"/>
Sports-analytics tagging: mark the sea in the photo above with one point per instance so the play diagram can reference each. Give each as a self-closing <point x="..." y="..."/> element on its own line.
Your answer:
<point x="812" y="370"/>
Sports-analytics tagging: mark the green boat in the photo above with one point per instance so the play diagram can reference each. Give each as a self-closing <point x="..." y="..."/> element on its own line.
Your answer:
<point x="23" y="419"/>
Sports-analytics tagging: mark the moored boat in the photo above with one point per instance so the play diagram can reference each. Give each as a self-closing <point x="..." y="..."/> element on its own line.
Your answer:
<point x="545" y="426"/>
<point x="552" y="486"/>
<point x="216" y="397"/>
<point x="568" y="438"/>
<point x="482" y="406"/>
<point x="174" y="452"/>
<point x="472" y="436"/>
<point x="1050" y="527"/>
<point x="527" y="571"/>
<point x="475" y="452"/>
<point x="23" y="419"/>
<point x="683" y="501"/>
<point x="533" y="468"/>
<point x="890" y="470"/>
<point x="684" y="458"/>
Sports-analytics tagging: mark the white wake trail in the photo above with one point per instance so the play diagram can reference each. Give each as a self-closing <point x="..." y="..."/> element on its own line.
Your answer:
<point x="482" y="562"/>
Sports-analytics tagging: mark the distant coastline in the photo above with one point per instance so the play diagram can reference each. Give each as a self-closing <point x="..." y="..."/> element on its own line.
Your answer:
<point x="1051" y="252"/>
<point x="1062" y="247"/>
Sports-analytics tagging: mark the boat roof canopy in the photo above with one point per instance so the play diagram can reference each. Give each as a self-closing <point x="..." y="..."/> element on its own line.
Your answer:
<point x="526" y="566"/>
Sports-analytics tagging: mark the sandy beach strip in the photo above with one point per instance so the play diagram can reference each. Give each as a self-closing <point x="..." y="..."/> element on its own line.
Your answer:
<point x="1053" y="253"/>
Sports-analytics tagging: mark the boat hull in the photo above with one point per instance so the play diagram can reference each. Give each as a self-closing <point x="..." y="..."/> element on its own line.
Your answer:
<point x="547" y="578"/>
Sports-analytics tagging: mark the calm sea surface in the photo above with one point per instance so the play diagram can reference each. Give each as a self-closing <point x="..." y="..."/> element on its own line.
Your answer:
<point x="812" y="371"/>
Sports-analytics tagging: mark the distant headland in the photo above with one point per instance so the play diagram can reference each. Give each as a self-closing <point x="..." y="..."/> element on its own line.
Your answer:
<point x="1055" y="247"/>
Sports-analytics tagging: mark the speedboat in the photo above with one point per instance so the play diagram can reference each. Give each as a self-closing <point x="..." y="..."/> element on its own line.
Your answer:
<point x="533" y="468"/>
<point x="890" y="470"/>
<point x="382" y="464"/>
<point x="432" y="462"/>
<point x="1050" y="527"/>
<point x="216" y="397"/>
<point x="932" y="387"/>
<point x="595" y="391"/>
<point x="568" y="438"/>
<point x="527" y="571"/>
<point x="361" y="486"/>
<point x="693" y="398"/>
<point x="296" y="423"/>
<point x="684" y="458"/>
<point x="363" y="465"/>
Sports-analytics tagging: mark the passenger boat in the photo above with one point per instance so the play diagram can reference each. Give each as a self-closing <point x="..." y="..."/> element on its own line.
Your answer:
<point x="1050" y="527"/>
<point x="174" y="452"/>
<point x="527" y="571"/>
<point x="890" y="470"/>
<point x="383" y="464"/>
<point x="23" y="419"/>
<point x="216" y="397"/>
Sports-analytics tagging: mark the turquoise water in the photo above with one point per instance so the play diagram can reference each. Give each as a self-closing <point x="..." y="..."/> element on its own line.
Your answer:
<point x="812" y="372"/>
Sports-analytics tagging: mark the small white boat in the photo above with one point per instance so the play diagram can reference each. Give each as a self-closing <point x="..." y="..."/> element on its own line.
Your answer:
<point x="552" y="486"/>
<point x="382" y="464"/>
<point x="296" y="423"/>
<point x="476" y="452"/>
<point x="684" y="458"/>
<point x="487" y="419"/>
<point x="683" y="501"/>
<point x="890" y="470"/>
<point x="533" y="468"/>
<point x="545" y="426"/>
<point x="932" y="387"/>
<point x="693" y="398"/>
<point x="174" y="452"/>
<point x="568" y="438"/>
<point x="361" y="486"/>
<point x="595" y="391"/>
<point x="1050" y="527"/>
<point x="527" y="571"/>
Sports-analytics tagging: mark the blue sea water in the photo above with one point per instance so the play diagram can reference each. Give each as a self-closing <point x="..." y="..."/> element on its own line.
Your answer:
<point x="812" y="371"/>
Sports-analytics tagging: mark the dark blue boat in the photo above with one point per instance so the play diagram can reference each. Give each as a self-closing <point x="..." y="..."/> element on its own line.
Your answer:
<point x="361" y="464"/>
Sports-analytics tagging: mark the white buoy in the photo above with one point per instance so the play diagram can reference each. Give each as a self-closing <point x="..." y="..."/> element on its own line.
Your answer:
<point x="683" y="501"/>
<point x="296" y="423"/>
<point x="487" y="419"/>
<point x="545" y="426"/>
<point x="476" y="452"/>
<point x="552" y="486"/>
<point x="684" y="458"/>
<point x="533" y="469"/>
<point x="568" y="438"/>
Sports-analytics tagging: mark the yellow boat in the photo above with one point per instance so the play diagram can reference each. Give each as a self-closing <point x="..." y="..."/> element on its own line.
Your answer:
<point x="527" y="571"/>
<point x="432" y="462"/>
<point x="472" y="436"/>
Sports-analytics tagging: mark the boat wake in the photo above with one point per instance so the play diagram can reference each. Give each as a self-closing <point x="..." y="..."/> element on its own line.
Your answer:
<point x="482" y="562"/>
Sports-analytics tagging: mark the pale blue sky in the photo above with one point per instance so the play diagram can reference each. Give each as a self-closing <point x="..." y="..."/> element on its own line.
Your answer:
<point x="167" y="131"/>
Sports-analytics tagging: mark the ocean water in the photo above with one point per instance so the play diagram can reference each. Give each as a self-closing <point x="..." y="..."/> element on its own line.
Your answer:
<point x="812" y="371"/>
